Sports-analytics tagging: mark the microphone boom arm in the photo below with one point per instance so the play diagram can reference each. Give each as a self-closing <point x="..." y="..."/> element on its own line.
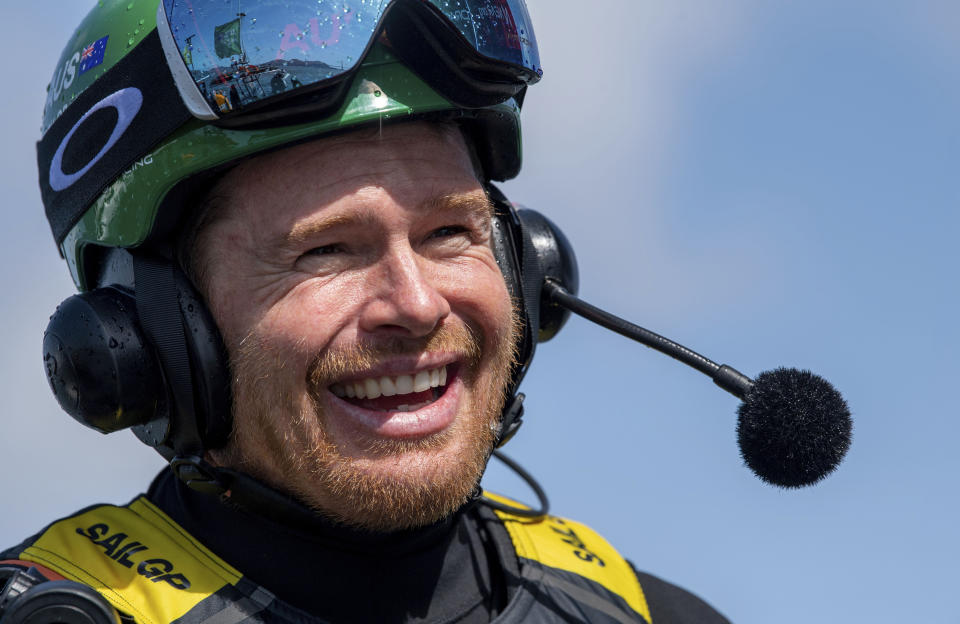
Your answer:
<point x="727" y="377"/>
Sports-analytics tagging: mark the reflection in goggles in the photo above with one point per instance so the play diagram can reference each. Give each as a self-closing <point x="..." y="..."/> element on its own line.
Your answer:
<point x="261" y="52"/>
<point x="243" y="52"/>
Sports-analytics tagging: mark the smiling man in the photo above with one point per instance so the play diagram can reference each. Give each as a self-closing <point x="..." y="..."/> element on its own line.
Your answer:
<point x="318" y="308"/>
<point x="372" y="328"/>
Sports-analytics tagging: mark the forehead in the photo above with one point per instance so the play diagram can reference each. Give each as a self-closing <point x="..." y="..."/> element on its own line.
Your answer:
<point x="413" y="163"/>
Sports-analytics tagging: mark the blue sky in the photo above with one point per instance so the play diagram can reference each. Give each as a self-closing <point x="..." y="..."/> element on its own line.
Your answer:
<point x="770" y="183"/>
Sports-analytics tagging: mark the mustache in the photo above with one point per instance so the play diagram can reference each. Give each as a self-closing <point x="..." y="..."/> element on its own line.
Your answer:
<point x="331" y="365"/>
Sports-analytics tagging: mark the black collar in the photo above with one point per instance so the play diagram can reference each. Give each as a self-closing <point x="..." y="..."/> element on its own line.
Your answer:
<point x="449" y="571"/>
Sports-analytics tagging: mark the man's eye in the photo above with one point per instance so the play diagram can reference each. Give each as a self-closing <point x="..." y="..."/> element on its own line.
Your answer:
<point x="324" y="250"/>
<point x="448" y="230"/>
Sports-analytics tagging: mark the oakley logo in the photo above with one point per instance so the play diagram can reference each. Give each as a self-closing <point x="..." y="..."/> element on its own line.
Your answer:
<point x="127" y="102"/>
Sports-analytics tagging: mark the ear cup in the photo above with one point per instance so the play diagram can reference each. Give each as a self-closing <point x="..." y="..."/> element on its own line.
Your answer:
<point x="530" y="248"/>
<point x="519" y="267"/>
<point x="508" y="248"/>
<point x="108" y="374"/>
<point x="555" y="261"/>
<point x="99" y="365"/>
<point x="178" y="326"/>
<point x="208" y="363"/>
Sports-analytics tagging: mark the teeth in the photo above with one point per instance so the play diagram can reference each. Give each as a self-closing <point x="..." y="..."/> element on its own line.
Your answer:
<point x="372" y="386"/>
<point x="391" y="386"/>
<point x="422" y="381"/>
<point x="404" y="384"/>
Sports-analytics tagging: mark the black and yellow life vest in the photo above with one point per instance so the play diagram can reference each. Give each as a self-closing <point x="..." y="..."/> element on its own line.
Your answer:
<point x="147" y="566"/>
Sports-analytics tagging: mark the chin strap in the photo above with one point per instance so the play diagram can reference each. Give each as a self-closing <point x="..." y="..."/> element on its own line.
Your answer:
<point x="244" y="491"/>
<point x="158" y="307"/>
<point x="511" y="421"/>
<point x="199" y="475"/>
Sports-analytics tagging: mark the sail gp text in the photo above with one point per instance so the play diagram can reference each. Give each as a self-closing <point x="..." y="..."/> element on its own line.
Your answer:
<point x="120" y="548"/>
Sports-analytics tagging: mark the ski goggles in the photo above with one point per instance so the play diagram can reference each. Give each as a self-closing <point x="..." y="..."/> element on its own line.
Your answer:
<point x="248" y="61"/>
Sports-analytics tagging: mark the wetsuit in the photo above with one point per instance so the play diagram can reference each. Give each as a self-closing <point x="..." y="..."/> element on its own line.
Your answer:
<point x="475" y="567"/>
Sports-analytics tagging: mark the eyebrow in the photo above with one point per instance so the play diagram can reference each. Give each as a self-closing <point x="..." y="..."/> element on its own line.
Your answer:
<point x="475" y="204"/>
<point x="303" y="232"/>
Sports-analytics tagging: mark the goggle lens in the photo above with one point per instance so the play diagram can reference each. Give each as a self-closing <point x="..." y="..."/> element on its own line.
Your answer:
<point x="239" y="52"/>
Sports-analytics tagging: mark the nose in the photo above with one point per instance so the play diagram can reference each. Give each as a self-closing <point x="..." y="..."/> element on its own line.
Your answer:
<point x="405" y="299"/>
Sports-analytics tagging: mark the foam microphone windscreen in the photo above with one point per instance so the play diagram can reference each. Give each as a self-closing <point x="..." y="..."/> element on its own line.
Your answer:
<point x="794" y="427"/>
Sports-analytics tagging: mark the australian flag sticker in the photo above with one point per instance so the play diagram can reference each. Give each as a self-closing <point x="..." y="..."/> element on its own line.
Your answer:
<point x="92" y="55"/>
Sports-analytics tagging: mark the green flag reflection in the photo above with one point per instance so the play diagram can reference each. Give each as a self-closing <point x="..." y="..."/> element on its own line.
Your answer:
<point x="226" y="39"/>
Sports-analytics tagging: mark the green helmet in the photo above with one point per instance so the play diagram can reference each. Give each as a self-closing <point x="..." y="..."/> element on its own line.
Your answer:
<point x="127" y="178"/>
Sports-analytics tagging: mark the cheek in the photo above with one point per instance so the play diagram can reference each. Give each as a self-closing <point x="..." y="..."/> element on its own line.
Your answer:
<point x="309" y="318"/>
<point x="481" y="297"/>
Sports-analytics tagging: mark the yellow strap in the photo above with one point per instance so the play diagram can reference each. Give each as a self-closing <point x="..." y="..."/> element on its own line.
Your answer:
<point x="142" y="562"/>
<point x="574" y="547"/>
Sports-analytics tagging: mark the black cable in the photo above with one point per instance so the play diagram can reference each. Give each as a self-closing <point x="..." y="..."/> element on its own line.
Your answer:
<point x="528" y="478"/>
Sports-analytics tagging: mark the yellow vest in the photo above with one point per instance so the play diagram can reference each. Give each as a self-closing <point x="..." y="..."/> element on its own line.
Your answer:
<point x="148" y="567"/>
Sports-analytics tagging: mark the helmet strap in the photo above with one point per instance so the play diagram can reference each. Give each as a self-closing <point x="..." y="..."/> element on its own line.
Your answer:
<point x="511" y="420"/>
<point x="158" y="307"/>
